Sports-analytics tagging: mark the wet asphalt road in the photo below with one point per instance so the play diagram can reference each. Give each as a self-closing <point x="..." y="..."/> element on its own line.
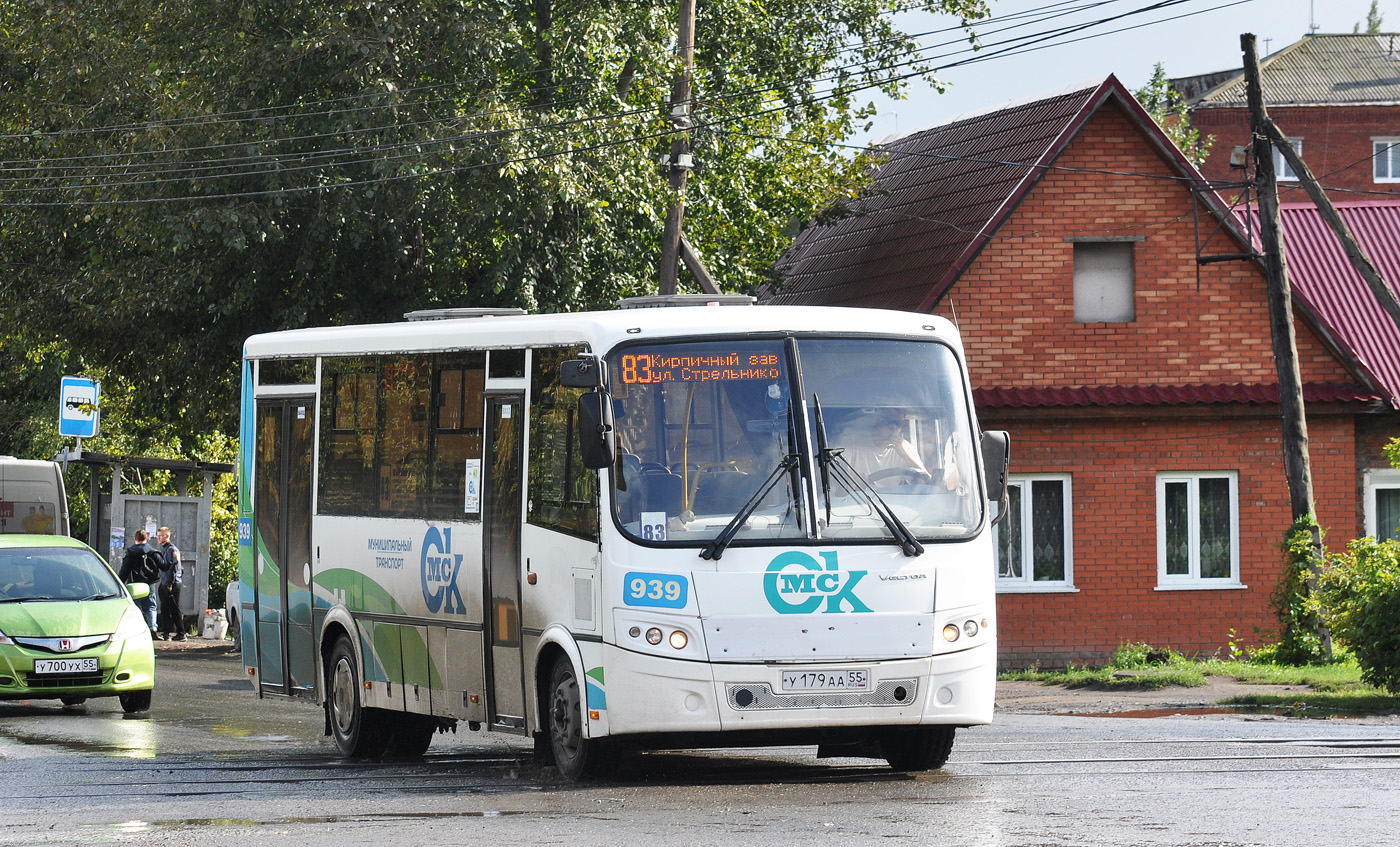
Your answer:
<point x="211" y="765"/>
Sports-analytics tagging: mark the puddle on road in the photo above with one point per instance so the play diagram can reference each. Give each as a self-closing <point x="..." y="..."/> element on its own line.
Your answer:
<point x="140" y="827"/>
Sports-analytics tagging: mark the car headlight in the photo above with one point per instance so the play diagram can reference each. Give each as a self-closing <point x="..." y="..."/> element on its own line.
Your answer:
<point x="5" y="639"/>
<point x="132" y="624"/>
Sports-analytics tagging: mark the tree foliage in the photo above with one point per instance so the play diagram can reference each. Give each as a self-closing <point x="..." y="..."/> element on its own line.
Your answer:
<point x="179" y="175"/>
<point x="1168" y="109"/>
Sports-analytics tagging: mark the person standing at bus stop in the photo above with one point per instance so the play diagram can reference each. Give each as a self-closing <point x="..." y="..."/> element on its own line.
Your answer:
<point x="171" y="579"/>
<point x="135" y="568"/>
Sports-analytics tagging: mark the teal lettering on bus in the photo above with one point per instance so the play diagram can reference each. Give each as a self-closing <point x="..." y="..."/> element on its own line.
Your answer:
<point x="798" y="584"/>
<point x="440" y="569"/>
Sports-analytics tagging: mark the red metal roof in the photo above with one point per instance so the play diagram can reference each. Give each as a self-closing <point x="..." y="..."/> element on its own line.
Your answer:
<point x="1341" y="303"/>
<point x="1159" y="395"/>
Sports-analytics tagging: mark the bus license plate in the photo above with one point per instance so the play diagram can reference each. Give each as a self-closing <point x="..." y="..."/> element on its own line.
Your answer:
<point x="43" y="666"/>
<point x="852" y="680"/>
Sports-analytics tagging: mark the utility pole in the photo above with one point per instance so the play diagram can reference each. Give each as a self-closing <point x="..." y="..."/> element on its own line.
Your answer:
<point x="1296" y="462"/>
<point x="674" y="246"/>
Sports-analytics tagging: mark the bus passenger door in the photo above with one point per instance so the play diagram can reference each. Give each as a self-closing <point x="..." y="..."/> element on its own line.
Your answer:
<point x="282" y="546"/>
<point x="505" y="416"/>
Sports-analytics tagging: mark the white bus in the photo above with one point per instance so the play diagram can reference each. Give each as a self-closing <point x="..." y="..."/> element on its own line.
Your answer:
<point x="664" y="527"/>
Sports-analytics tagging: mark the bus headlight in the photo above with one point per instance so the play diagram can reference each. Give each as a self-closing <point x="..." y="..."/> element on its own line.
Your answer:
<point x="654" y="636"/>
<point x="951" y="632"/>
<point x="679" y="640"/>
<point x="970" y="628"/>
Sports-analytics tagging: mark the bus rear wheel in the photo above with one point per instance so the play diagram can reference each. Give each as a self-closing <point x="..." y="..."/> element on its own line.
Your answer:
<point x="574" y="755"/>
<point x="358" y="731"/>
<point x="917" y="748"/>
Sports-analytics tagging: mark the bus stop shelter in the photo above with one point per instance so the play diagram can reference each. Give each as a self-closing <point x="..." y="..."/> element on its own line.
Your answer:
<point x="126" y="507"/>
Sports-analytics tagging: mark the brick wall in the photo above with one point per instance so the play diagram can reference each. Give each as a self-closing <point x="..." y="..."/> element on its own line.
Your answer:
<point x="1114" y="467"/>
<point x="1336" y="145"/>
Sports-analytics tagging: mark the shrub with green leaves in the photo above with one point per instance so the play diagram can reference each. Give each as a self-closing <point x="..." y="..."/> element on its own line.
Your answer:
<point x="1298" y="642"/>
<point x="1360" y="595"/>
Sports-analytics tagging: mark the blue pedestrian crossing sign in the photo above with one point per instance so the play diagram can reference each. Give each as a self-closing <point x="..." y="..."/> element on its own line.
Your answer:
<point x="77" y="407"/>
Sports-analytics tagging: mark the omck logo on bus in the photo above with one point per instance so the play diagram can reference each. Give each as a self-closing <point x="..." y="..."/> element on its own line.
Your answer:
<point x="798" y="584"/>
<point x="440" y="569"/>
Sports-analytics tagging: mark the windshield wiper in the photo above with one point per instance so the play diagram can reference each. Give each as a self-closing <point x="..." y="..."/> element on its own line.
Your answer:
<point x="788" y="465"/>
<point x="831" y="461"/>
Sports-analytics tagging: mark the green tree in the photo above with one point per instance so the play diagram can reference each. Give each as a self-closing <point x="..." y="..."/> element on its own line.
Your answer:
<point x="1168" y="109"/>
<point x="1373" y="20"/>
<point x="180" y="175"/>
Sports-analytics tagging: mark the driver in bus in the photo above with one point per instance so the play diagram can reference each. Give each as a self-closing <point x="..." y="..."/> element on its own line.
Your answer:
<point x="876" y="442"/>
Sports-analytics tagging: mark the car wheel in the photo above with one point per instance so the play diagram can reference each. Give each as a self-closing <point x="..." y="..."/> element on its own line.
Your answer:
<point x="574" y="756"/>
<point x="135" y="701"/>
<point x="917" y="748"/>
<point x="72" y="701"/>
<point x="358" y="731"/>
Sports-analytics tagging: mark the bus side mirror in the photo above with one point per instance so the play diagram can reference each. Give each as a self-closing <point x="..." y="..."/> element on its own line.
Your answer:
<point x="996" y="459"/>
<point x="585" y="372"/>
<point x="597" y="447"/>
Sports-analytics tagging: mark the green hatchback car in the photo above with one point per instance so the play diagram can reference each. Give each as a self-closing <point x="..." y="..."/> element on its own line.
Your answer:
<point x="69" y="630"/>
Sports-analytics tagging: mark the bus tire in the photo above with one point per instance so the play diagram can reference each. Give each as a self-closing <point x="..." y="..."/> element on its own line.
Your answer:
<point x="917" y="748"/>
<point x="410" y="737"/>
<point x="575" y="756"/>
<point x="358" y="731"/>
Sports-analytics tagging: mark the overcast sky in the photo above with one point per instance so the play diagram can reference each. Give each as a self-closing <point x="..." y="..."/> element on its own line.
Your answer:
<point x="1204" y="37"/>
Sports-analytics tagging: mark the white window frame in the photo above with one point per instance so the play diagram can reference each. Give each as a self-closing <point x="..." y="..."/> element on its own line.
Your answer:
<point x="1193" y="579"/>
<point x="1375" y="480"/>
<point x="1027" y="583"/>
<point x="1380" y="144"/>
<point x="1282" y="171"/>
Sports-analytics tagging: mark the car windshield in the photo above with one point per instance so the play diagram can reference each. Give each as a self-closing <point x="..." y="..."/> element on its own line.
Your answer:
<point x="54" y="573"/>
<point x="704" y="428"/>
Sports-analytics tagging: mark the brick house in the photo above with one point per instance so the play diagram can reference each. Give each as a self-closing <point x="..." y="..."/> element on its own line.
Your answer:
<point x="1149" y="496"/>
<point x="1337" y="97"/>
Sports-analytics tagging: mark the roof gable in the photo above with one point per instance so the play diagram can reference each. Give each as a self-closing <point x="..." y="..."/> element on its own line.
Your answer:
<point x="940" y="194"/>
<point x="1356" y="69"/>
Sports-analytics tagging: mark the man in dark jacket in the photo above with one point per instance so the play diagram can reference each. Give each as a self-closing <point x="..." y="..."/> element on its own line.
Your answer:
<point x="172" y="574"/>
<point x="131" y="572"/>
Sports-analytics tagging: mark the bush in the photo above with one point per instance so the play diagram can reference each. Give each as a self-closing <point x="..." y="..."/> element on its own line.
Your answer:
<point x="1360" y="595"/>
<point x="1298" y="642"/>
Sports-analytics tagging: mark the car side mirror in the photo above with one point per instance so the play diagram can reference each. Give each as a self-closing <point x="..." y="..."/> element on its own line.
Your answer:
<point x="597" y="446"/>
<point x="139" y="590"/>
<point x="996" y="460"/>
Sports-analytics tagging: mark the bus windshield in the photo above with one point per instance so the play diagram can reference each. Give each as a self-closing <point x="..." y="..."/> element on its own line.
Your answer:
<point x="704" y="428"/>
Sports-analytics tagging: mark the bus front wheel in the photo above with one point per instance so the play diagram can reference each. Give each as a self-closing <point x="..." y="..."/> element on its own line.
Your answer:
<point x="574" y="755"/>
<point x="917" y="748"/>
<point x="357" y="731"/>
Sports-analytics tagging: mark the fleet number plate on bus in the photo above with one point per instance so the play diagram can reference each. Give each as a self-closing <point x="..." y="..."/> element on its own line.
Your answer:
<point x="65" y="665"/>
<point x="853" y="680"/>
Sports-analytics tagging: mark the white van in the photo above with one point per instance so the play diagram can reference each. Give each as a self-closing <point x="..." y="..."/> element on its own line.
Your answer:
<point x="32" y="497"/>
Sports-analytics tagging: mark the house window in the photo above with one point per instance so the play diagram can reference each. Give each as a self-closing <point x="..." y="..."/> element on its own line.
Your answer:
<point x="1034" y="543"/>
<point x="1383" y="504"/>
<point x="1197" y="530"/>
<point x="1385" y="153"/>
<point x="1282" y="170"/>
<point x="1103" y="282"/>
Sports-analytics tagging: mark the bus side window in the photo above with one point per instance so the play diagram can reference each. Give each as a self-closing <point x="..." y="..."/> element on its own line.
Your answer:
<point x="458" y="414"/>
<point x="563" y="494"/>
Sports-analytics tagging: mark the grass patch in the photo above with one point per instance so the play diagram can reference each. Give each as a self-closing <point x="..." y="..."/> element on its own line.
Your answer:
<point x="1324" y="690"/>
